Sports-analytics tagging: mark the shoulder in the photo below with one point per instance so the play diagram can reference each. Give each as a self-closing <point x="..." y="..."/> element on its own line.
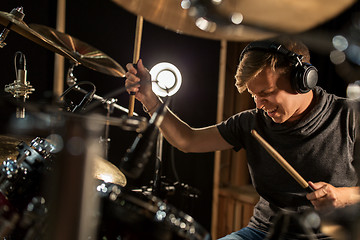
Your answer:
<point x="332" y="101"/>
<point x="347" y="109"/>
<point x="239" y="123"/>
<point x="237" y="127"/>
<point x="241" y="117"/>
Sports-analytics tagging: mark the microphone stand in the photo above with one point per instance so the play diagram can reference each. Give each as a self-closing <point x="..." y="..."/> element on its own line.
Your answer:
<point x="110" y="104"/>
<point x="71" y="80"/>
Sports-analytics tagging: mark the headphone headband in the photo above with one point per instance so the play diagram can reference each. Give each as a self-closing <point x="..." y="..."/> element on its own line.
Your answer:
<point x="271" y="46"/>
<point x="304" y="76"/>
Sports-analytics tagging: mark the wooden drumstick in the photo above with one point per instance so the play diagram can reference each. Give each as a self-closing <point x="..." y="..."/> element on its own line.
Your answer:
<point x="282" y="162"/>
<point x="137" y="44"/>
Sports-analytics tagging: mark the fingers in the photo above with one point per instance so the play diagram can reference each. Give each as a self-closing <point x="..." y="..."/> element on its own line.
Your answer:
<point x="143" y="73"/>
<point x="140" y="65"/>
<point x="131" y="79"/>
<point x="324" y="197"/>
<point x="311" y="184"/>
<point x="134" y="75"/>
<point x="320" y="191"/>
<point x="130" y="67"/>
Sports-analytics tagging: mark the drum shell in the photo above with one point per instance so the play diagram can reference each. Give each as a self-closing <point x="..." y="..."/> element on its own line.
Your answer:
<point x="132" y="216"/>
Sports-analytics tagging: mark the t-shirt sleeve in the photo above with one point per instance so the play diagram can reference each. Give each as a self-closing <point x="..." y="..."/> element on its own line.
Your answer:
<point x="235" y="128"/>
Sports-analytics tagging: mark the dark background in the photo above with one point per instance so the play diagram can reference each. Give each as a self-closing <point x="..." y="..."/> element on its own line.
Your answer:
<point x="109" y="28"/>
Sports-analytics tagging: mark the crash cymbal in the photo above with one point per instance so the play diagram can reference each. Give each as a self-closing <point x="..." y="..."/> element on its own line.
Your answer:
<point x="261" y="18"/>
<point x="108" y="172"/>
<point x="84" y="54"/>
<point x="19" y="26"/>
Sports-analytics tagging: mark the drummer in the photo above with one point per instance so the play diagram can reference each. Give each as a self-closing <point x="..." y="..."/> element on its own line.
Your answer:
<point x="313" y="130"/>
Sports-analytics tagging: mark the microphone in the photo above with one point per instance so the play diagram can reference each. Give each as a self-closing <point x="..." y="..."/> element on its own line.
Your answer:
<point x="20" y="88"/>
<point x="137" y="156"/>
<point x="84" y="102"/>
<point x="21" y="77"/>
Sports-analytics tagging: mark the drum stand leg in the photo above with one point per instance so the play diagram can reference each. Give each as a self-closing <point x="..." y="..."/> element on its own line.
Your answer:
<point x="106" y="140"/>
<point x="158" y="165"/>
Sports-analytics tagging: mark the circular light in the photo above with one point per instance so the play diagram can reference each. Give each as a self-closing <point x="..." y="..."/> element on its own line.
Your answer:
<point x="166" y="79"/>
<point x="353" y="53"/>
<point x="337" y="57"/>
<point x="340" y="42"/>
<point x="205" y="25"/>
<point x="237" y="18"/>
<point x="185" y="4"/>
<point x="216" y="2"/>
<point x="353" y="90"/>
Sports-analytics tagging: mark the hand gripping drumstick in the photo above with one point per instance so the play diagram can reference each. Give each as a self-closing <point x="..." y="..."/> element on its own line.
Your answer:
<point x="139" y="25"/>
<point x="282" y="162"/>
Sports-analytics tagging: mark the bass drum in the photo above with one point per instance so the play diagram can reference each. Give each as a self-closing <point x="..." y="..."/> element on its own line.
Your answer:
<point x="128" y="215"/>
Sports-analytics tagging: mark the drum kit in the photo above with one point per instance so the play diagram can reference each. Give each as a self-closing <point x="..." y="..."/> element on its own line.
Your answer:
<point x="29" y="209"/>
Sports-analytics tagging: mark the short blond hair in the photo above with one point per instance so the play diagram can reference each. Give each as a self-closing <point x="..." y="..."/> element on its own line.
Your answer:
<point x="254" y="61"/>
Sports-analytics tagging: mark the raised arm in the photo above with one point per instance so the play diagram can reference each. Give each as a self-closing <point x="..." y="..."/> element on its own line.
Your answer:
<point x="177" y="132"/>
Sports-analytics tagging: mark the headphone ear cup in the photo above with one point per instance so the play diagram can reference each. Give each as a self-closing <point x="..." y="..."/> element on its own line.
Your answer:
<point x="304" y="78"/>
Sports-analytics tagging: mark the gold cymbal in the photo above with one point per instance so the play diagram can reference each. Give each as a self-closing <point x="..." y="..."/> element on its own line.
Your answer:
<point x="261" y="18"/>
<point x="108" y="172"/>
<point x="19" y="26"/>
<point x="83" y="53"/>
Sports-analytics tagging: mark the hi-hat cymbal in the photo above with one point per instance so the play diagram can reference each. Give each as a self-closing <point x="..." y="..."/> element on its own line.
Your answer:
<point x="108" y="172"/>
<point x="261" y="18"/>
<point x="19" y="26"/>
<point x="84" y="53"/>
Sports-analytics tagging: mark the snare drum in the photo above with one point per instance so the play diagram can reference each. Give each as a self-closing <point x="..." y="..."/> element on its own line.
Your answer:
<point x="137" y="216"/>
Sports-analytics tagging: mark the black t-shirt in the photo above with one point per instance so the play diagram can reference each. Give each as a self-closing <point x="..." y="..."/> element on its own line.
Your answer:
<point x="320" y="147"/>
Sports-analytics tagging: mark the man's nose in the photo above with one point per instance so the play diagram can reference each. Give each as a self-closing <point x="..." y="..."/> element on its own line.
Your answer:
<point x="259" y="102"/>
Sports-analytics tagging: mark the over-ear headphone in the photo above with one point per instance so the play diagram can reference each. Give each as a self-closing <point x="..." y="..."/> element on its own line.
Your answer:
<point x="304" y="76"/>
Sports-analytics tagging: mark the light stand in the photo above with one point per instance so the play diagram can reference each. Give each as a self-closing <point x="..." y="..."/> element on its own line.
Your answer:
<point x="166" y="82"/>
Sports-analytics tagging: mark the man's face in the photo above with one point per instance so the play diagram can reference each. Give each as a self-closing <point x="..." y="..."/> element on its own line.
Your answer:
<point x="273" y="93"/>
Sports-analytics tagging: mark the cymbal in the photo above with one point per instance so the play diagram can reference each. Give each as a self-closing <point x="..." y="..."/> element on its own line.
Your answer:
<point x="19" y="26"/>
<point x="84" y="53"/>
<point x="108" y="172"/>
<point x="261" y="18"/>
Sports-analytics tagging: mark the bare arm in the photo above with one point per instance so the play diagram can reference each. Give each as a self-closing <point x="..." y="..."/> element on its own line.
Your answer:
<point x="177" y="132"/>
<point x="188" y="139"/>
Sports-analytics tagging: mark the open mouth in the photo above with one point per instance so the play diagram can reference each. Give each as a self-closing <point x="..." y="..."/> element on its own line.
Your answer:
<point x="271" y="112"/>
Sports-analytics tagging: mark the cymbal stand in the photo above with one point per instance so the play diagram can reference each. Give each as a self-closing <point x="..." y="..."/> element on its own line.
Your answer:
<point x="109" y="103"/>
<point x="158" y="164"/>
<point x="106" y="140"/>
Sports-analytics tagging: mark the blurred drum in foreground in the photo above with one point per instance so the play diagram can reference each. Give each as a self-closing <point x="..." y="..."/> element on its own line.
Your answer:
<point x="134" y="216"/>
<point x="23" y="210"/>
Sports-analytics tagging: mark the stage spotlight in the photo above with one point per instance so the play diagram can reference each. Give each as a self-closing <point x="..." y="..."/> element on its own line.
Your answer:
<point x="166" y="79"/>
